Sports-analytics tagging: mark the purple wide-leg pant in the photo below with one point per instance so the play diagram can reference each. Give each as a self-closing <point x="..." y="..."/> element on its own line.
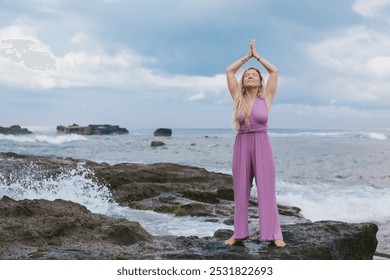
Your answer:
<point x="253" y="158"/>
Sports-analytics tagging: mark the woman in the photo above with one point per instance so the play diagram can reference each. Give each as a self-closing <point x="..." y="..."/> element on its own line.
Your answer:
<point x="252" y="154"/>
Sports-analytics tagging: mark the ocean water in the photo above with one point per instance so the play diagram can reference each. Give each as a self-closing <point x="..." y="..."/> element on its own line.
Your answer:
<point x="329" y="174"/>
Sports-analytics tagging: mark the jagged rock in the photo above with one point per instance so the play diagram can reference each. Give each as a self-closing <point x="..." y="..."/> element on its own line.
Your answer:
<point x="103" y="129"/>
<point x="14" y="130"/>
<point x="163" y="132"/>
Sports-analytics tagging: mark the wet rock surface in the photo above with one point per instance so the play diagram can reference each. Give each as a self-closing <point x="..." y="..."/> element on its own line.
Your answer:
<point x="42" y="229"/>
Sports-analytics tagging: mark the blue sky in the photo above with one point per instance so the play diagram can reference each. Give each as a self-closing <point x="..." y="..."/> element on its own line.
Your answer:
<point x="149" y="64"/>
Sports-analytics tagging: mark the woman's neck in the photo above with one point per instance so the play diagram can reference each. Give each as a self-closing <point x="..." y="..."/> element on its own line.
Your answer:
<point x="252" y="93"/>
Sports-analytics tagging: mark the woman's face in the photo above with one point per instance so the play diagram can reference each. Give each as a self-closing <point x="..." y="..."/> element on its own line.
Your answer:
<point x="251" y="78"/>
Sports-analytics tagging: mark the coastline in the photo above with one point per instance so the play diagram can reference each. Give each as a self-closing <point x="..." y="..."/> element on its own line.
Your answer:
<point x="180" y="190"/>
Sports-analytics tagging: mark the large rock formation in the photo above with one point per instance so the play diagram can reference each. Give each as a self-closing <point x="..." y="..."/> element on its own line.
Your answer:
<point x="14" y="130"/>
<point x="102" y="129"/>
<point x="41" y="229"/>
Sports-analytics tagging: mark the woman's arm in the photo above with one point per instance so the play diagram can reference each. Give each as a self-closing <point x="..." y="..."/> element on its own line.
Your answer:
<point x="232" y="70"/>
<point x="272" y="82"/>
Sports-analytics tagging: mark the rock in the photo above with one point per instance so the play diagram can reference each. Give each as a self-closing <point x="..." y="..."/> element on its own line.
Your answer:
<point x="164" y="187"/>
<point x="163" y="132"/>
<point x="40" y="229"/>
<point x="59" y="229"/>
<point x="104" y="129"/>
<point x="147" y="186"/>
<point x="45" y="229"/>
<point x="290" y="211"/>
<point x="14" y="130"/>
<point x="157" y="144"/>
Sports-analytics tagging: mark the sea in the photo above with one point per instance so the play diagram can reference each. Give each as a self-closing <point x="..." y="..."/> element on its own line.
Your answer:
<point x="341" y="175"/>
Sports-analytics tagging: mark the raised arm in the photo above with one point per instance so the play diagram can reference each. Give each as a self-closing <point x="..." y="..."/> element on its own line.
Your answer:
<point x="272" y="82"/>
<point x="232" y="70"/>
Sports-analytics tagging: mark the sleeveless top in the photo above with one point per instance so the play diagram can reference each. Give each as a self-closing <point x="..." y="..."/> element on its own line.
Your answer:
<point x="258" y="118"/>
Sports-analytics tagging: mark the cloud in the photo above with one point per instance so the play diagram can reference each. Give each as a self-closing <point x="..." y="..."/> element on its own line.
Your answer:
<point x="19" y="50"/>
<point x="355" y="64"/>
<point x="327" y="117"/>
<point x="348" y="82"/>
<point x="26" y="62"/>
<point x="379" y="66"/>
<point x="79" y="38"/>
<point x="197" y="96"/>
<point x="175" y="53"/>
<point x="370" y="8"/>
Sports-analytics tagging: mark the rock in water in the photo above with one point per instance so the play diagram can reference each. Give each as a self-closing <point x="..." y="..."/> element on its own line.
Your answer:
<point x="157" y="144"/>
<point x="163" y="132"/>
<point x="103" y="129"/>
<point x="14" y="130"/>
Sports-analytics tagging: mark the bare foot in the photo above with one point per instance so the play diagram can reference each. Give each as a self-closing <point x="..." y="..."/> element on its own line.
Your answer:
<point x="279" y="243"/>
<point x="233" y="241"/>
<point x="230" y="242"/>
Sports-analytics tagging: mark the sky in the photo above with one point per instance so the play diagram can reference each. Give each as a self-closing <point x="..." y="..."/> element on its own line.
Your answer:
<point x="150" y="64"/>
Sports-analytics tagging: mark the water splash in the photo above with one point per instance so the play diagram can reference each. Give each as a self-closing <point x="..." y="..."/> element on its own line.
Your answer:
<point x="75" y="184"/>
<point x="332" y="202"/>
<point x="374" y="135"/>
<point x="78" y="184"/>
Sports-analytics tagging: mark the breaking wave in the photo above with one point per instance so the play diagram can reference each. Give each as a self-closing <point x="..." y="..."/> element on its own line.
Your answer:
<point x="44" y="138"/>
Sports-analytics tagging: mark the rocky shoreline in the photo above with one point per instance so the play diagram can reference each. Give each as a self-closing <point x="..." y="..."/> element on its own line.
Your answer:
<point x="42" y="229"/>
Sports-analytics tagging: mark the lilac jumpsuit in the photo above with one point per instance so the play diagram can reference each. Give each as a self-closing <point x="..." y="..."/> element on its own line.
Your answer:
<point x="253" y="158"/>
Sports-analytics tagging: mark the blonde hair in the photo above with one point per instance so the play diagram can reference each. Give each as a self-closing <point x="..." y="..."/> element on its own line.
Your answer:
<point x="241" y="102"/>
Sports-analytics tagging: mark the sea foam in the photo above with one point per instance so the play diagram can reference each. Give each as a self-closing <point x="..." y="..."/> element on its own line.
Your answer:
<point x="75" y="184"/>
<point x="60" y="139"/>
<point x="331" y="202"/>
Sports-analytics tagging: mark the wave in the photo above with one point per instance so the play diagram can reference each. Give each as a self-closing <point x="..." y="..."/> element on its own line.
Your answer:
<point x="305" y="134"/>
<point x="331" y="202"/>
<point x="166" y="224"/>
<point x="373" y="135"/>
<point x="75" y="184"/>
<point x="356" y="134"/>
<point x="43" y="138"/>
<point x="78" y="185"/>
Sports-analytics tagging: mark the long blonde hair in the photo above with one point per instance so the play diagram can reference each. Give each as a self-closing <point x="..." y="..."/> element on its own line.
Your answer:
<point x="241" y="102"/>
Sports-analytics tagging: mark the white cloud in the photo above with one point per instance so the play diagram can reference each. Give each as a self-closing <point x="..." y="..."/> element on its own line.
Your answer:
<point x="370" y="8"/>
<point x="356" y="63"/>
<point x="380" y="66"/>
<point x="350" y="48"/>
<point x="124" y="69"/>
<point x="79" y="38"/>
<point x="197" y="96"/>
